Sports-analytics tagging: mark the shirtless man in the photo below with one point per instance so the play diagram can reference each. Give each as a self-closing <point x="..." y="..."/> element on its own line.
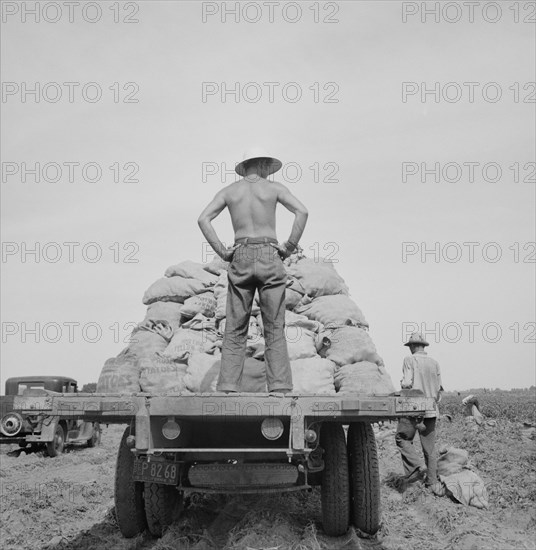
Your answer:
<point x="256" y="263"/>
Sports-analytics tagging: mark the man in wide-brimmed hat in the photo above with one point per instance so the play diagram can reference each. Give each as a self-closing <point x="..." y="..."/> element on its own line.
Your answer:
<point x="256" y="263"/>
<point x="420" y="372"/>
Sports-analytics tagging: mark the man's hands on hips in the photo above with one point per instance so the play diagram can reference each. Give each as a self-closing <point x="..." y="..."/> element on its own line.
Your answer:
<point x="283" y="251"/>
<point x="228" y="253"/>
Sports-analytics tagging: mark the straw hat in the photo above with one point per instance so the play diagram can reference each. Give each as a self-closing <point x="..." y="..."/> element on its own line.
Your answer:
<point x="418" y="339"/>
<point x="258" y="153"/>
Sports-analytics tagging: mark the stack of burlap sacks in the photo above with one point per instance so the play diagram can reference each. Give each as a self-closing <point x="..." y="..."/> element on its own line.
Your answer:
<point x="177" y="347"/>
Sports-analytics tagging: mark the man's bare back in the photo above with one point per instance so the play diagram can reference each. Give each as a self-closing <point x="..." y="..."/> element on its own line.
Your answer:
<point x="252" y="205"/>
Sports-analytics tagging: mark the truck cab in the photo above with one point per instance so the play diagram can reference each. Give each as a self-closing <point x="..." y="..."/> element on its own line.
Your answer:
<point x="40" y="431"/>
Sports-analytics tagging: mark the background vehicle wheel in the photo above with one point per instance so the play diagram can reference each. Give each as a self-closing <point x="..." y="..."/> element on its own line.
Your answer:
<point x="364" y="478"/>
<point x="95" y="439"/>
<point x="163" y="506"/>
<point x="129" y="506"/>
<point x="335" y="483"/>
<point x="57" y="445"/>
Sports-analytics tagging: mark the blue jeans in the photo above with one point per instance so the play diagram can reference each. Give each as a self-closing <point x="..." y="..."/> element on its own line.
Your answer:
<point x="255" y="266"/>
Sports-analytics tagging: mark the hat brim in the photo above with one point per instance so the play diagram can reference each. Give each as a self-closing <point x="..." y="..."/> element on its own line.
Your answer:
<point x="275" y="165"/>
<point x="421" y="343"/>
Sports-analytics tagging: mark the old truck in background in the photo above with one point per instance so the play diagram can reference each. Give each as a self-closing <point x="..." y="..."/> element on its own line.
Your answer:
<point x="32" y="429"/>
<point x="177" y="444"/>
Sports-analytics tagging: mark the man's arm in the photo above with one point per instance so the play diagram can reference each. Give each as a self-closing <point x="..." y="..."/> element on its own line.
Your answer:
<point x="407" y="375"/>
<point x="439" y="383"/>
<point x="291" y="203"/>
<point x="213" y="209"/>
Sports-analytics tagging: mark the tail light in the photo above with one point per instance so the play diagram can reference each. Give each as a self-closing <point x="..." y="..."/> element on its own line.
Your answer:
<point x="272" y="428"/>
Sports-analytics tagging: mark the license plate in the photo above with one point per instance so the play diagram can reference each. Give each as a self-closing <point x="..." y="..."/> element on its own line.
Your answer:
<point x="156" y="471"/>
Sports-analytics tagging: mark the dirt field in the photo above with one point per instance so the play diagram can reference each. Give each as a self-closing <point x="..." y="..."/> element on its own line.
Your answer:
<point x="67" y="503"/>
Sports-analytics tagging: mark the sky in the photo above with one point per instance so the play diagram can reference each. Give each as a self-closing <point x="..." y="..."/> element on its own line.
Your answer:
<point x="408" y="134"/>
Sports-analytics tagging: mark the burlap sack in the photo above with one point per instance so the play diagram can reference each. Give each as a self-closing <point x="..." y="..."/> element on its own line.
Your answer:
<point x="160" y="375"/>
<point x="363" y="378"/>
<point x="203" y="303"/>
<point x="172" y="289"/>
<point x="186" y="341"/>
<point x="313" y="375"/>
<point x="348" y="345"/>
<point x="467" y="488"/>
<point x="164" y="311"/>
<point x="220" y="294"/>
<point x="120" y="374"/>
<point x="332" y="311"/>
<point x="192" y="270"/>
<point x="318" y="277"/>
<point x="216" y="266"/>
<point x="202" y="372"/>
<point x="294" y="293"/>
<point x="452" y="462"/>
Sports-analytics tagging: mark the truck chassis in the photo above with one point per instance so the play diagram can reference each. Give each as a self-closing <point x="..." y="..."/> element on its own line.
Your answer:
<point x="175" y="444"/>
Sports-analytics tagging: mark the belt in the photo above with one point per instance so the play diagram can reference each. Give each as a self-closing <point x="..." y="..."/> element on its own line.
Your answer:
<point x="255" y="240"/>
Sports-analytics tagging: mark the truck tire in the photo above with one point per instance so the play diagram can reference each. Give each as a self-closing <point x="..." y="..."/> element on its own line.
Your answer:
<point x="163" y="505"/>
<point x="57" y="445"/>
<point x="364" y="478"/>
<point x="129" y="508"/>
<point x="335" y="482"/>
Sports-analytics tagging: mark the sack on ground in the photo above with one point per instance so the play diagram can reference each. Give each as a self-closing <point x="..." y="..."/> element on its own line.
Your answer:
<point x="313" y="375"/>
<point x="348" y="345"/>
<point x="192" y="270"/>
<point x="120" y="374"/>
<point x="161" y="375"/>
<point x="164" y="311"/>
<point x="172" y="289"/>
<point x="332" y="311"/>
<point x="452" y="462"/>
<point x="467" y="488"/>
<point x="203" y="303"/>
<point x="186" y="341"/>
<point x="318" y="277"/>
<point x="363" y="378"/>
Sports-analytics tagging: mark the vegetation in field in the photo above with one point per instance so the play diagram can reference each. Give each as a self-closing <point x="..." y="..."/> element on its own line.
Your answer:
<point x="517" y="405"/>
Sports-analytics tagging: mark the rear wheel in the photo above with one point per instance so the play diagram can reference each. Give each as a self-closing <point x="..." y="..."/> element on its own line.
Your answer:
<point x="364" y="478"/>
<point x="129" y="509"/>
<point x="163" y="505"/>
<point x="57" y="445"/>
<point x="335" y="482"/>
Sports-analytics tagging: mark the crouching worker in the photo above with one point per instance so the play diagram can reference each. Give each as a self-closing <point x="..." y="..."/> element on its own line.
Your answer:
<point x="256" y="263"/>
<point x="420" y="372"/>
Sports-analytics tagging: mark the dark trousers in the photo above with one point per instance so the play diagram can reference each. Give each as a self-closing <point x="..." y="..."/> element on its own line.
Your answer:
<point x="405" y="434"/>
<point x="256" y="266"/>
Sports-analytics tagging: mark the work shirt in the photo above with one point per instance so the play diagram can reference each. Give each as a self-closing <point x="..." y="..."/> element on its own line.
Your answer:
<point x="420" y="372"/>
